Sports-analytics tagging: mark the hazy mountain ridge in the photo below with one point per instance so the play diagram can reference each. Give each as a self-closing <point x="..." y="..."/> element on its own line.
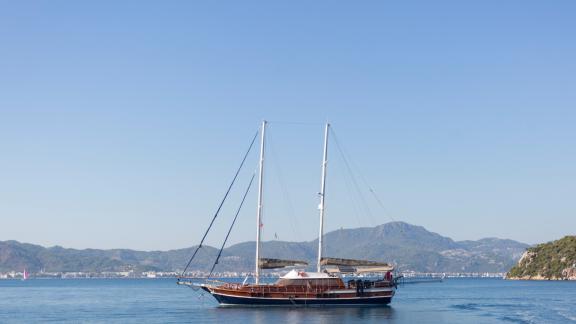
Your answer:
<point x="409" y="247"/>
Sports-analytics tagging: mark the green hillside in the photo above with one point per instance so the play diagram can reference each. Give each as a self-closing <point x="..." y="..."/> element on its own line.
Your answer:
<point x="549" y="261"/>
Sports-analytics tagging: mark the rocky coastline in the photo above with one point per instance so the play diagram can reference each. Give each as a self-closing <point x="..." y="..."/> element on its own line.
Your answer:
<point x="549" y="261"/>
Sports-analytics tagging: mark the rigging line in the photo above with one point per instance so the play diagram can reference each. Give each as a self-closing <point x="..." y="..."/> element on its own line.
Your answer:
<point x="372" y="191"/>
<point x="232" y="225"/>
<point x="341" y="172"/>
<point x="353" y="178"/>
<point x="221" y="203"/>
<point x="380" y="203"/>
<point x="351" y="197"/>
<point x="285" y="193"/>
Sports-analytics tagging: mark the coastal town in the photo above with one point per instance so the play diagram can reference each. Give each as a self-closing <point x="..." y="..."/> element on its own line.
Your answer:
<point x="131" y="274"/>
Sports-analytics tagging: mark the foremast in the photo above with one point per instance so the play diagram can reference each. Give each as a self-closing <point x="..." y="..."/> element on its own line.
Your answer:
<point x="260" y="193"/>
<point x="322" y="197"/>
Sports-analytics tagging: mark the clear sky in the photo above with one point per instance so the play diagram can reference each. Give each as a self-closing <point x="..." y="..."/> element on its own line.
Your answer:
<point x="122" y="122"/>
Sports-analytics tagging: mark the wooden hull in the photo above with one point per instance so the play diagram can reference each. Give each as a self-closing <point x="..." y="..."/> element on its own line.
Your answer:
<point x="230" y="298"/>
<point x="262" y="301"/>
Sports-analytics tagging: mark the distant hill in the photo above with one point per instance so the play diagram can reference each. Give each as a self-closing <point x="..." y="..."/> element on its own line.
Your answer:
<point x="549" y="261"/>
<point x="407" y="246"/>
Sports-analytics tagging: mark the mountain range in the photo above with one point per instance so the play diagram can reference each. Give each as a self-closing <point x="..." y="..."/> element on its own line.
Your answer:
<point x="409" y="247"/>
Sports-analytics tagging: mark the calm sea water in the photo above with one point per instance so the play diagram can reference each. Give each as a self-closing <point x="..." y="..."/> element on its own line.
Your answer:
<point x="162" y="301"/>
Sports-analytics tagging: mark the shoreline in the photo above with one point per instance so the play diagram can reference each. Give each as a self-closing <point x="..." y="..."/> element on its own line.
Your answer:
<point x="538" y="279"/>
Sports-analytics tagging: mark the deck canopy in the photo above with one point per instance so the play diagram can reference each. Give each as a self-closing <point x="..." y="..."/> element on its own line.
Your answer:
<point x="358" y="270"/>
<point x="351" y="262"/>
<point x="266" y="263"/>
<point x="354" y="266"/>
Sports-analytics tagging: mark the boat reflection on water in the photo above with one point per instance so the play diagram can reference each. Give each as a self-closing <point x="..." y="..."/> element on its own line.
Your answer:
<point x="266" y="315"/>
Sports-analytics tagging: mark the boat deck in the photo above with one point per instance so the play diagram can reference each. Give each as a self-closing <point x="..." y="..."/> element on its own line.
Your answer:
<point x="354" y="292"/>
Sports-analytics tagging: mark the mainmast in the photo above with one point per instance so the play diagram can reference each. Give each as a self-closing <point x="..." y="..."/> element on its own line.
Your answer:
<point x="259" y="212"/>
<point x="322" y="196"/>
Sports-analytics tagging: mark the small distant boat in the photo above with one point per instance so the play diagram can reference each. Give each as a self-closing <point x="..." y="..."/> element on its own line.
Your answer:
<point x="325" y="287"/>
<point x="24" y="275"/>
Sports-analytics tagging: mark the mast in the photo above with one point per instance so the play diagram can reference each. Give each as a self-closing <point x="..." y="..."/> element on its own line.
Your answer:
<point x="259" y="212"/>
<point x="322" y="196"/>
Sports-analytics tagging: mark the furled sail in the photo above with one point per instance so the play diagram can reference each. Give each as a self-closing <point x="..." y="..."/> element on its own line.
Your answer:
<point x="355" y="266"/>
<point x="266" y="263"/>
<point x="358" y="270"/>
<point x="351" y="262"/>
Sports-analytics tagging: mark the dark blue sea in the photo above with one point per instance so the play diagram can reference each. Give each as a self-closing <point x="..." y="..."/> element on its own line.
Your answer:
<point x="162" y="301"/>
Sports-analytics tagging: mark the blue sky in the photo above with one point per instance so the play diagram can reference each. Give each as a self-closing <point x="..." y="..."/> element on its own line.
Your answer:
<point x="121" y="124"/>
